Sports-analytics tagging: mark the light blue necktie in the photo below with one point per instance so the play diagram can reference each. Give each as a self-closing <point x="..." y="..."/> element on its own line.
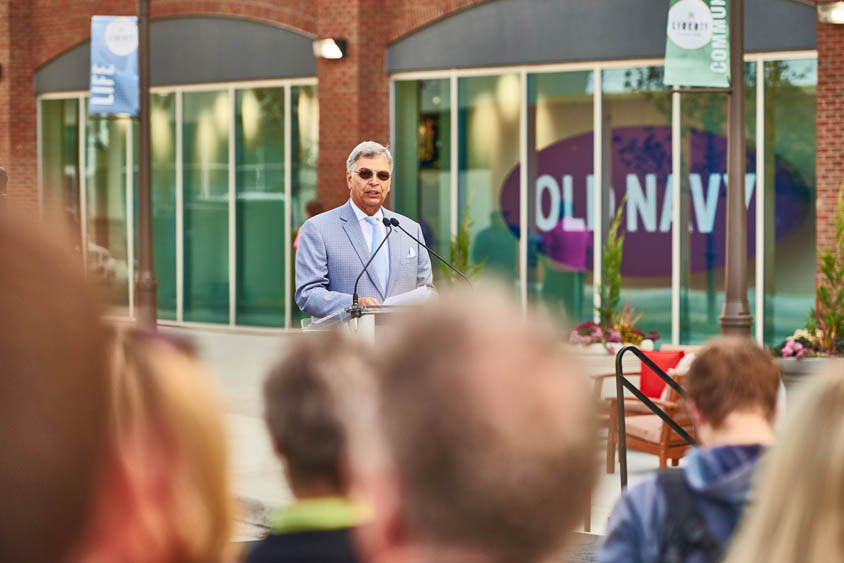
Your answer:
<point x="380" y="266"/>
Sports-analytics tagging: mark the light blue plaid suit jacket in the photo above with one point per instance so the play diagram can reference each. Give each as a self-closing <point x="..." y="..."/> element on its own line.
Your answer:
<point x="332" y="252"/>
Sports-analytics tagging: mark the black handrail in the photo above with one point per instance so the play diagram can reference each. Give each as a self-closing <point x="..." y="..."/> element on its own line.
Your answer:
<point x="621" y="383"/>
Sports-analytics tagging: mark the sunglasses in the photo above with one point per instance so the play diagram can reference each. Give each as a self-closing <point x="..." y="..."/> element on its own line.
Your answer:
<point x="366" y="174"/>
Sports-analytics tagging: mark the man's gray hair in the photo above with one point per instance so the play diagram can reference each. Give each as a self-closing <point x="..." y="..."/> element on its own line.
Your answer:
<point x="367" y="149"/>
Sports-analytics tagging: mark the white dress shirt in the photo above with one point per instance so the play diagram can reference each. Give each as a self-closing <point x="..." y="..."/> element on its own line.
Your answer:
<point x="367" y="229"/>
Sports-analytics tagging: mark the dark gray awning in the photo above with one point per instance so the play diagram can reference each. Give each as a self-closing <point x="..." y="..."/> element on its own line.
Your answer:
<point x="191" y="50"/>
<point x="512" y="32"/>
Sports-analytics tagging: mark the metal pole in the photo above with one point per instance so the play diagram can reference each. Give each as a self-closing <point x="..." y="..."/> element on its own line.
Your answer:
<point x="3" y="179"/>
<point x="735" y="317"/>
<point x="145" y="282"/>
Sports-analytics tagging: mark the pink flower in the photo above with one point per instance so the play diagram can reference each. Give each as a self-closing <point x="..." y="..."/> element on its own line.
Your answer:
<point x="793" y="348"/>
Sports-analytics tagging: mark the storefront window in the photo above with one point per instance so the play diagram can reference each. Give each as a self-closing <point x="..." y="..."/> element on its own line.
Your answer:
<point x="423" y="159"/>
<point x="105" y="190"/>
<point x="488" y="151"/>
<point x="637" y="162"/>
<point x="304" y="117"/>
<point x="205" y="160"/>
<point x="704" y="200"/>
<point x="60" y="164"/>
<point x="259" y="177"/>
<point x="790" y="144"/>
<point x="560" y="195"/>
<point x="163" y="158"/>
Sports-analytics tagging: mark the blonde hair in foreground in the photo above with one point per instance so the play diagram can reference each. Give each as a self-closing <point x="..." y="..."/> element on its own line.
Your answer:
<point x="798" y="516"/>
<point x="170" y="452"/>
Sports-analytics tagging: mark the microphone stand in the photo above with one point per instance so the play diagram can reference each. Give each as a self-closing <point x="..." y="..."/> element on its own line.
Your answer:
<point x="356" y="309"/>
<point x="394" y="222"/>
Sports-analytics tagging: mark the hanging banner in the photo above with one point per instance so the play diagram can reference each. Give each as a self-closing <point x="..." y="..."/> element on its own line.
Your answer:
<point x="697" y="48"/>
<point x="114" y="66"/>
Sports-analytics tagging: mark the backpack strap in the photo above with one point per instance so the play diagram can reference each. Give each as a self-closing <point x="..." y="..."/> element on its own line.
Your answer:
<point x="684" y="530"/>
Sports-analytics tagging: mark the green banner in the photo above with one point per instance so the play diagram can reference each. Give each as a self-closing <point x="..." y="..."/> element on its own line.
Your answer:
<point x="697" y="47"/>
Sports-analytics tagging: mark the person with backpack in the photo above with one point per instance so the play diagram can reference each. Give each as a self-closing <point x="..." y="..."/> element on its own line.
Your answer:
<point x="688" y="515"/>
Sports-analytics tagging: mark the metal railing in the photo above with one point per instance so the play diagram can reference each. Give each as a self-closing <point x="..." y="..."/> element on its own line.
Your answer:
<point x="622" y="383"/>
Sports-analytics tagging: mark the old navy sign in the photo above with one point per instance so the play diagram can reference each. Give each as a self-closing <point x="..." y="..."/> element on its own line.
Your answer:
<point x="114" y="66"/>
<point x="561" y="205"/>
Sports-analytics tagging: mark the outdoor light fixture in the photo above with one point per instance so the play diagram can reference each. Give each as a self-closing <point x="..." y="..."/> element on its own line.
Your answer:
<point x="330" y="48"/>
<point x="831" y="12"/>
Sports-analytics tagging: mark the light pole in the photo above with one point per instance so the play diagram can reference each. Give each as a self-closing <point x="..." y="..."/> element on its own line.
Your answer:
<point x="735" y="316"/>
<point x="145" y="282"/>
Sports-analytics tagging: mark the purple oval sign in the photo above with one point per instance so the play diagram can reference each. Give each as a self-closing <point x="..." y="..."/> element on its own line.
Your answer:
<point x="560" y="205"/>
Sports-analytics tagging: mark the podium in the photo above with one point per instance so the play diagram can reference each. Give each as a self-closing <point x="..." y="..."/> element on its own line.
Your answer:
<point x="362" y="325"/>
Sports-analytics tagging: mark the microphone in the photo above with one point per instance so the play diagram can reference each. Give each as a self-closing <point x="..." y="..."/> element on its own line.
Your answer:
<point x="394" y="222"/>
<point x="356" y="309"/>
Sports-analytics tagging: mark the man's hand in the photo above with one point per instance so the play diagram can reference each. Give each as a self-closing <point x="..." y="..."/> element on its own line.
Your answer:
<point x="368" y="301"/>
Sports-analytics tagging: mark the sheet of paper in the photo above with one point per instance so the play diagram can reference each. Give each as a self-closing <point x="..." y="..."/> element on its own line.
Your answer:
<point x="413" y="297"/>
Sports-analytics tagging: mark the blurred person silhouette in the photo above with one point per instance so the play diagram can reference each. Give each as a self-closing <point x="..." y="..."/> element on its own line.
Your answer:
<point x="53" y="394"/>
<point x="164" y="495"/>
<point x="487" y="448"/>
<point x="496" y="246"/>
<point x="306" y="414"/>
<point x="689" y="514"/>
<point x="312" y="209"/>
<point x="798" y="516"/>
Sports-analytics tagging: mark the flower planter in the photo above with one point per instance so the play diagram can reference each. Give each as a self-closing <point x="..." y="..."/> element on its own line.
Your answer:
<point x="595" y="359"/>
<point x="797" y="372"/>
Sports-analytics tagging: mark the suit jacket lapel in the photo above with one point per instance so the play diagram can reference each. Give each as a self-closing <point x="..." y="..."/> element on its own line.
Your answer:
<point x="353" y="231"/>
<point x="396" y="249"/>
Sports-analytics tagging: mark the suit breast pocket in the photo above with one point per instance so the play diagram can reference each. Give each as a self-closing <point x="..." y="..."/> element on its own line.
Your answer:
<point x="409" y="255"/>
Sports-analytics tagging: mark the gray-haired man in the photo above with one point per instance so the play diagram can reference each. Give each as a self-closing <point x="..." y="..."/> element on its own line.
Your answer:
<point x="334" y="246"/>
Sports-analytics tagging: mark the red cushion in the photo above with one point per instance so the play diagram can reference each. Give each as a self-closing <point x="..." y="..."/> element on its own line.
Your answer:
<point x="651" y="384"/>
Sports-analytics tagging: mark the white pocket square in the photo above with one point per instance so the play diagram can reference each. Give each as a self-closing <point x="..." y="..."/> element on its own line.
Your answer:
<point x="411" y="253"/>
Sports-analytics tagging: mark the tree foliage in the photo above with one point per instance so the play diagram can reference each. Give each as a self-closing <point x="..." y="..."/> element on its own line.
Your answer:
<point x="459" y="250"/>
<point x="829" y="314"/>
<point x="610" y="287"/>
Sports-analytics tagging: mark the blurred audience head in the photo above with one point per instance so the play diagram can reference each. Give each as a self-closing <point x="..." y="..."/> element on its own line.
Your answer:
<point x="732" y="392"/>
<point x="53" y="395"/>
<point x="798" y="515"/>
<point x="165" y="493"/>
<point x="490" y="446"/>
<point x="305" y="408"/>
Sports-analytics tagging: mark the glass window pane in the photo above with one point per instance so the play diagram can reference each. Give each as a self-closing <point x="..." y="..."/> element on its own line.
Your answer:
<point x="423" y="159"/>
<point x="163" y="158"/>
<point x="790" y="142"/>
<point x="259" y="149"/>
<point x="304" y="116"/>
<point x="637" y="160"/>
<point x="561" y="147"/>
<point x="704" y="200"/>
<point x="205" y="157"/>
<point x="60" y="164"/>
<point x="488" y="186"/>
<point x="105" y="172"/>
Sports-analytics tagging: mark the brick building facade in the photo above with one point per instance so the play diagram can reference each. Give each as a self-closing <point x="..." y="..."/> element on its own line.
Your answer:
<point x="391" y="44"/>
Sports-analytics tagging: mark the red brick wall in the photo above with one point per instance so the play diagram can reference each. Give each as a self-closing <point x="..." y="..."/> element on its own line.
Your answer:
<point x="18" y="113"/>
<point x="407" y="16"/>
<point x="353" y="91"/>
<point x="830" y="117"/>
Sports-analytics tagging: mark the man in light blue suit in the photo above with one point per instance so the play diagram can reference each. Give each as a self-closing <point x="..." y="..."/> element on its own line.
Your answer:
<point x="334" y="246"/>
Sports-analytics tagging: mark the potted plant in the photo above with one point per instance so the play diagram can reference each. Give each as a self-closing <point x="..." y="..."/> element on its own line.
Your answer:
<point x="823" y="335"/>
<point x="617" y="324"/>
